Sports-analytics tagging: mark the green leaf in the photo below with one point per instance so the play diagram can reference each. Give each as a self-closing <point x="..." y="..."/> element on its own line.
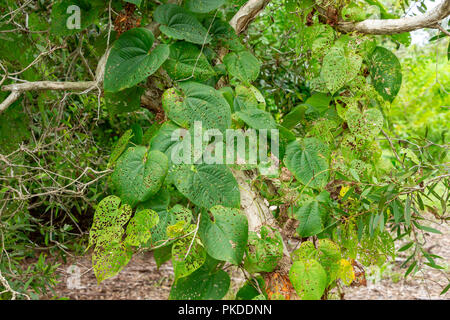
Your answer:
<point x="338" y="69"/>
<point x="257" y="119"/>
<point x="119" y="147"/>
<point x="308" y="162"/>
<point x="131" y="59"/>
<point x="186" y="61"/>
<point x="109" y="218"/>
<point x="386" y="73"/>
<point x="306" y="251"/>
<point x="309" y="279"/>
<point x="263" y="253"/>
<point x="249" y="290"/>
<point x="248" y="97"/>
<point x="208" y="185"/>
<point x="127" y="100"/>
<point x="242" y="65"/>
<point x="139" y="174"/>
<point x="206" y="283"/>
<point x="365" y="125"/>
<point x="294" y="117"/>
<point x="197" y="102"/>
<point x="329" y="256"/>
<point x="179" y="24"/>
<point x="63" y="21"/>
<point x="310" y="216"/>
<point x="203" y="6"/>
<point x="139" y="228"/>
<point x="224" y="238"/>
<point x="109" y="260"/>
<point x="183" y="263"/>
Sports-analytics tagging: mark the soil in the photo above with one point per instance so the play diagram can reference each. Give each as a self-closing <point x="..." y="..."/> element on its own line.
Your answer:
<point x="141" y="279"/>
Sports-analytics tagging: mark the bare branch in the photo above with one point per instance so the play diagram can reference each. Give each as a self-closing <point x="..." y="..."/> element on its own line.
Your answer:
<point x="393" y="26"/>
<point x="246" y="14"/>
<point x="50" y="85"/>
<point x="9" y="101"/>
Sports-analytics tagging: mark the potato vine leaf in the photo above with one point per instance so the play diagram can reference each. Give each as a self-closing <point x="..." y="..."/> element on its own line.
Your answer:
<point x="109" y="260"/>
<point x="131" y="59"/>
<point x="308" y="278"/>
<point x="310" y="216"/>
<point x="364" y="125"/>
<point x="139" y="174"/>
<point x="242" y="65"/>
<point x="187" y="62"/>
<point x="206" y="283"/>
<point x="127" y="100"/>
<point x="179" y="24"/>
<point x="386" y="73"/>
<point x="109" y="218"/>
<point x="257" y="119"/>
<point x="339" y="68"/>
<point x="224" y="238"/>
<point x="139" y="228"/>
<point x="308" y="162"/>
<point x="197" y="102"/>
<point x="188" y="255"/>
<point x="208" y="185"/>
<point x="263" y="252"/>
<point x="248" y="97"/>
<point x="203" y="6"/>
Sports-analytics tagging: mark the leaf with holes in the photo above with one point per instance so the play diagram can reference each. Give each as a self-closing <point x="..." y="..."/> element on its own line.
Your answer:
<point x="309" y="279"/>
<point x="365" y="125"/>
<point x="206" y="283"/>
<point x="203" y="6"/>
<point x="109" y="218"/>
<point x="187" y="62"/>
<point x="208" y="185"/>
<point x="224" y="238"/>
<point x="242" y="65"/>
<point x="386" y="73"/>
<point x="338" y="68"/>
<point x="197" y="102"/>
<point x="310" y="216"/>
<point x="308" y="161"/>
<point x="109" y="260"/>
<point x="139" y="228"/>
<point x="179" y="24"/>
<point x="188" y="255"/>
<point x="264" y="252"/>
<point x="131" y="59"/>
<point x="248" y="97"/>
<point x="139" y="174"/>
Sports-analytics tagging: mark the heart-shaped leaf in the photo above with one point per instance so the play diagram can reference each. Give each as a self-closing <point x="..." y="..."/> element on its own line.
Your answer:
<point x="308" y="162"/>
<point x="224" y="238"/>
<point x="338" y="68"/>
<point x="208" y="185"/>
<point x="139" y="227"/>
<point x="188" y="255"/>
<point x="197" y="102"/>
<point x="386" y="73"/>
<point x="309" y="279"/>
<point x="179" y="24"/>
<point x="242" y="65"/>
<point x="187" y="62"/>
<point x="310" y="216"/>
<point x="109" y="218"/>
<point x="139" y="174"/>
<point x="364" y="125"/>
<point x="131" y="59"/>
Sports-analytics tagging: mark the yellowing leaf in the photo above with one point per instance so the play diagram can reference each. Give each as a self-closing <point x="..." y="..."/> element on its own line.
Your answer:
<point x="345" y="272"/>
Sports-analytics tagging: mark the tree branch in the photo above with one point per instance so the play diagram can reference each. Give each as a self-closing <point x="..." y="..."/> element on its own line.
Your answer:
<point x="246" y="14"/>
<point x="393" y="26"/>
